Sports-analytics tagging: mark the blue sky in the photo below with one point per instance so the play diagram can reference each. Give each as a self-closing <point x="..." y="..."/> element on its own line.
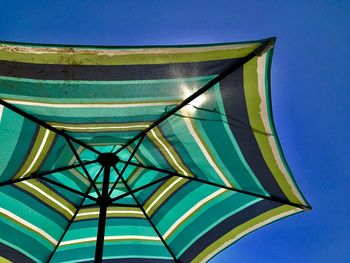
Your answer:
<point x="310" y="92"/>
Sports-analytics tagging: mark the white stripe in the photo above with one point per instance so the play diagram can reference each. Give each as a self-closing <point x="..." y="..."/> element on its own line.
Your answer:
<point x="29" y="225"/>
<point x="205" y="152"/>
<point x="48" y="196"/>
<point x="126" y="51"/>
<point x="163" y="193"/>
<point x="99" y="128"/>
<point x="110" y="238"/>
<point x="110" y="212"/>
<point x="167" y="150"/>
<point x="265" y="119"/>
<point x="131" y="237"/>
<point x="1" y="111"/>
<point x="240" y="235"/>
<point x="37" y="153"/>
<point x="91" y="105"/>
<point x="193" y="209"/>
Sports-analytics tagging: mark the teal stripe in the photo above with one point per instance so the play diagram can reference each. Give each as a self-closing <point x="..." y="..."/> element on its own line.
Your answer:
<point x="31" y="245"/>
<point x="59" y="91"/>
<point x="22" y="148"/>
<point x="55" y="114"/>
<point x="135" y="250"/>
<point x="10" y="128"/>
<point x="75" y="254"/>
<point x="176" y="131"/>
<point x="232" y="203"/>
<point x="233" y="164"/>
<point x="32" y="210"/>
<point x="182" y="202"/>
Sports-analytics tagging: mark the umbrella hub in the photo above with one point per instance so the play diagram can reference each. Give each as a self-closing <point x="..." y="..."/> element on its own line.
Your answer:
<point x="108" y="159"/>
<point x="104" y="200"/>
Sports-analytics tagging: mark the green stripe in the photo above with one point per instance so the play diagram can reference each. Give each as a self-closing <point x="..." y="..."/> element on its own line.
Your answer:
<point x="93" y="57"/>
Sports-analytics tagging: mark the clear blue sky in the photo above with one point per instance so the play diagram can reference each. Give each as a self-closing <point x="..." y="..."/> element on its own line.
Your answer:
<point x="310" y="90"/>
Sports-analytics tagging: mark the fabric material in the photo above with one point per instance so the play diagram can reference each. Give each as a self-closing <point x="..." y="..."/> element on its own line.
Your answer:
<point x="206" y="176"/>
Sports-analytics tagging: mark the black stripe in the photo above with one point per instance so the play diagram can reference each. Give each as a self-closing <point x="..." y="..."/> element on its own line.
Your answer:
<point x="106" y="72"/>
<point x="232" y="91"/>
<point x="226" y="226"/>
<point x="13" y="255"/>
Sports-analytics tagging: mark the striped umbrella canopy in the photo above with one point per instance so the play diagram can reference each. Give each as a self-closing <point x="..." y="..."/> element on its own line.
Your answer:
<point x="137" y="154"/>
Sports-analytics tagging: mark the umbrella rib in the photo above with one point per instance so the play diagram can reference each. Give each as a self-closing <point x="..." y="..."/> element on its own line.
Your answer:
<point x="84" y="168"/>
<point x="259" y="50"/>
<point x="147" y="217"/>
<point x="46" y="125"/>
<point x="75" y="214"/>
<point x="127" y="163"/>
<point x="271" y="198"/>
<point x="67" y="188"/>
<point x="39" y="175"/>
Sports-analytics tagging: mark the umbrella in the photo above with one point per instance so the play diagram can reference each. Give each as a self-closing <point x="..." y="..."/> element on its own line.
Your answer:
<point x="137" y="154"/>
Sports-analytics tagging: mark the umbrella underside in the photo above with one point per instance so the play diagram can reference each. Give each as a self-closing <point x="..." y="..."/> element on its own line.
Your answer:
<point x="137" y="154"/>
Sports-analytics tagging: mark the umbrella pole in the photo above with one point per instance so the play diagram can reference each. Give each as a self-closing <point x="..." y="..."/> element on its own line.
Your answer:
<point x="103" y="202"/>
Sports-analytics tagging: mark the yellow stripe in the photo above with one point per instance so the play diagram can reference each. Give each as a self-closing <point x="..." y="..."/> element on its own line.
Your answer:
<point x="168" y="151"/>
<point x="205" y="150"/>
<point x="163" y="193"/>
<point x="256" y="105"/>
<point x="81" y="56"/>
<point x="93" y="213"/>
<point x="27" y="225"/>
<point x="93" y="105"/>
<point x="244" y="229"/>
<point x="191" y="212"/>
<point x="4" y="260"/>
<point x="42" y="144"/>
<point x="93" y="127"/>
<point x="48" y="197"/>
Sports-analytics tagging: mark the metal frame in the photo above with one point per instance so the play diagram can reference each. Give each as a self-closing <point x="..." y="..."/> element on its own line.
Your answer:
<point x="73" y="217"/>
<point x="271" y="198"/>
<point x="104" y="200"/>
<point x="45" y="125"/>
<point x="129" y="160"/>
<point x="38" y="175"/>
<point x="259" y="50"/>
<point x="82" y="166"/>
<point x="146" y="215"/>
<point x="67" y="188"/>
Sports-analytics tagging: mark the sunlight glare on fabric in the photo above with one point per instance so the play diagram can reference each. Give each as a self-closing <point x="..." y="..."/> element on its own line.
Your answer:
<point x="1" y="109"/>
<point x="197" y="102"/>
